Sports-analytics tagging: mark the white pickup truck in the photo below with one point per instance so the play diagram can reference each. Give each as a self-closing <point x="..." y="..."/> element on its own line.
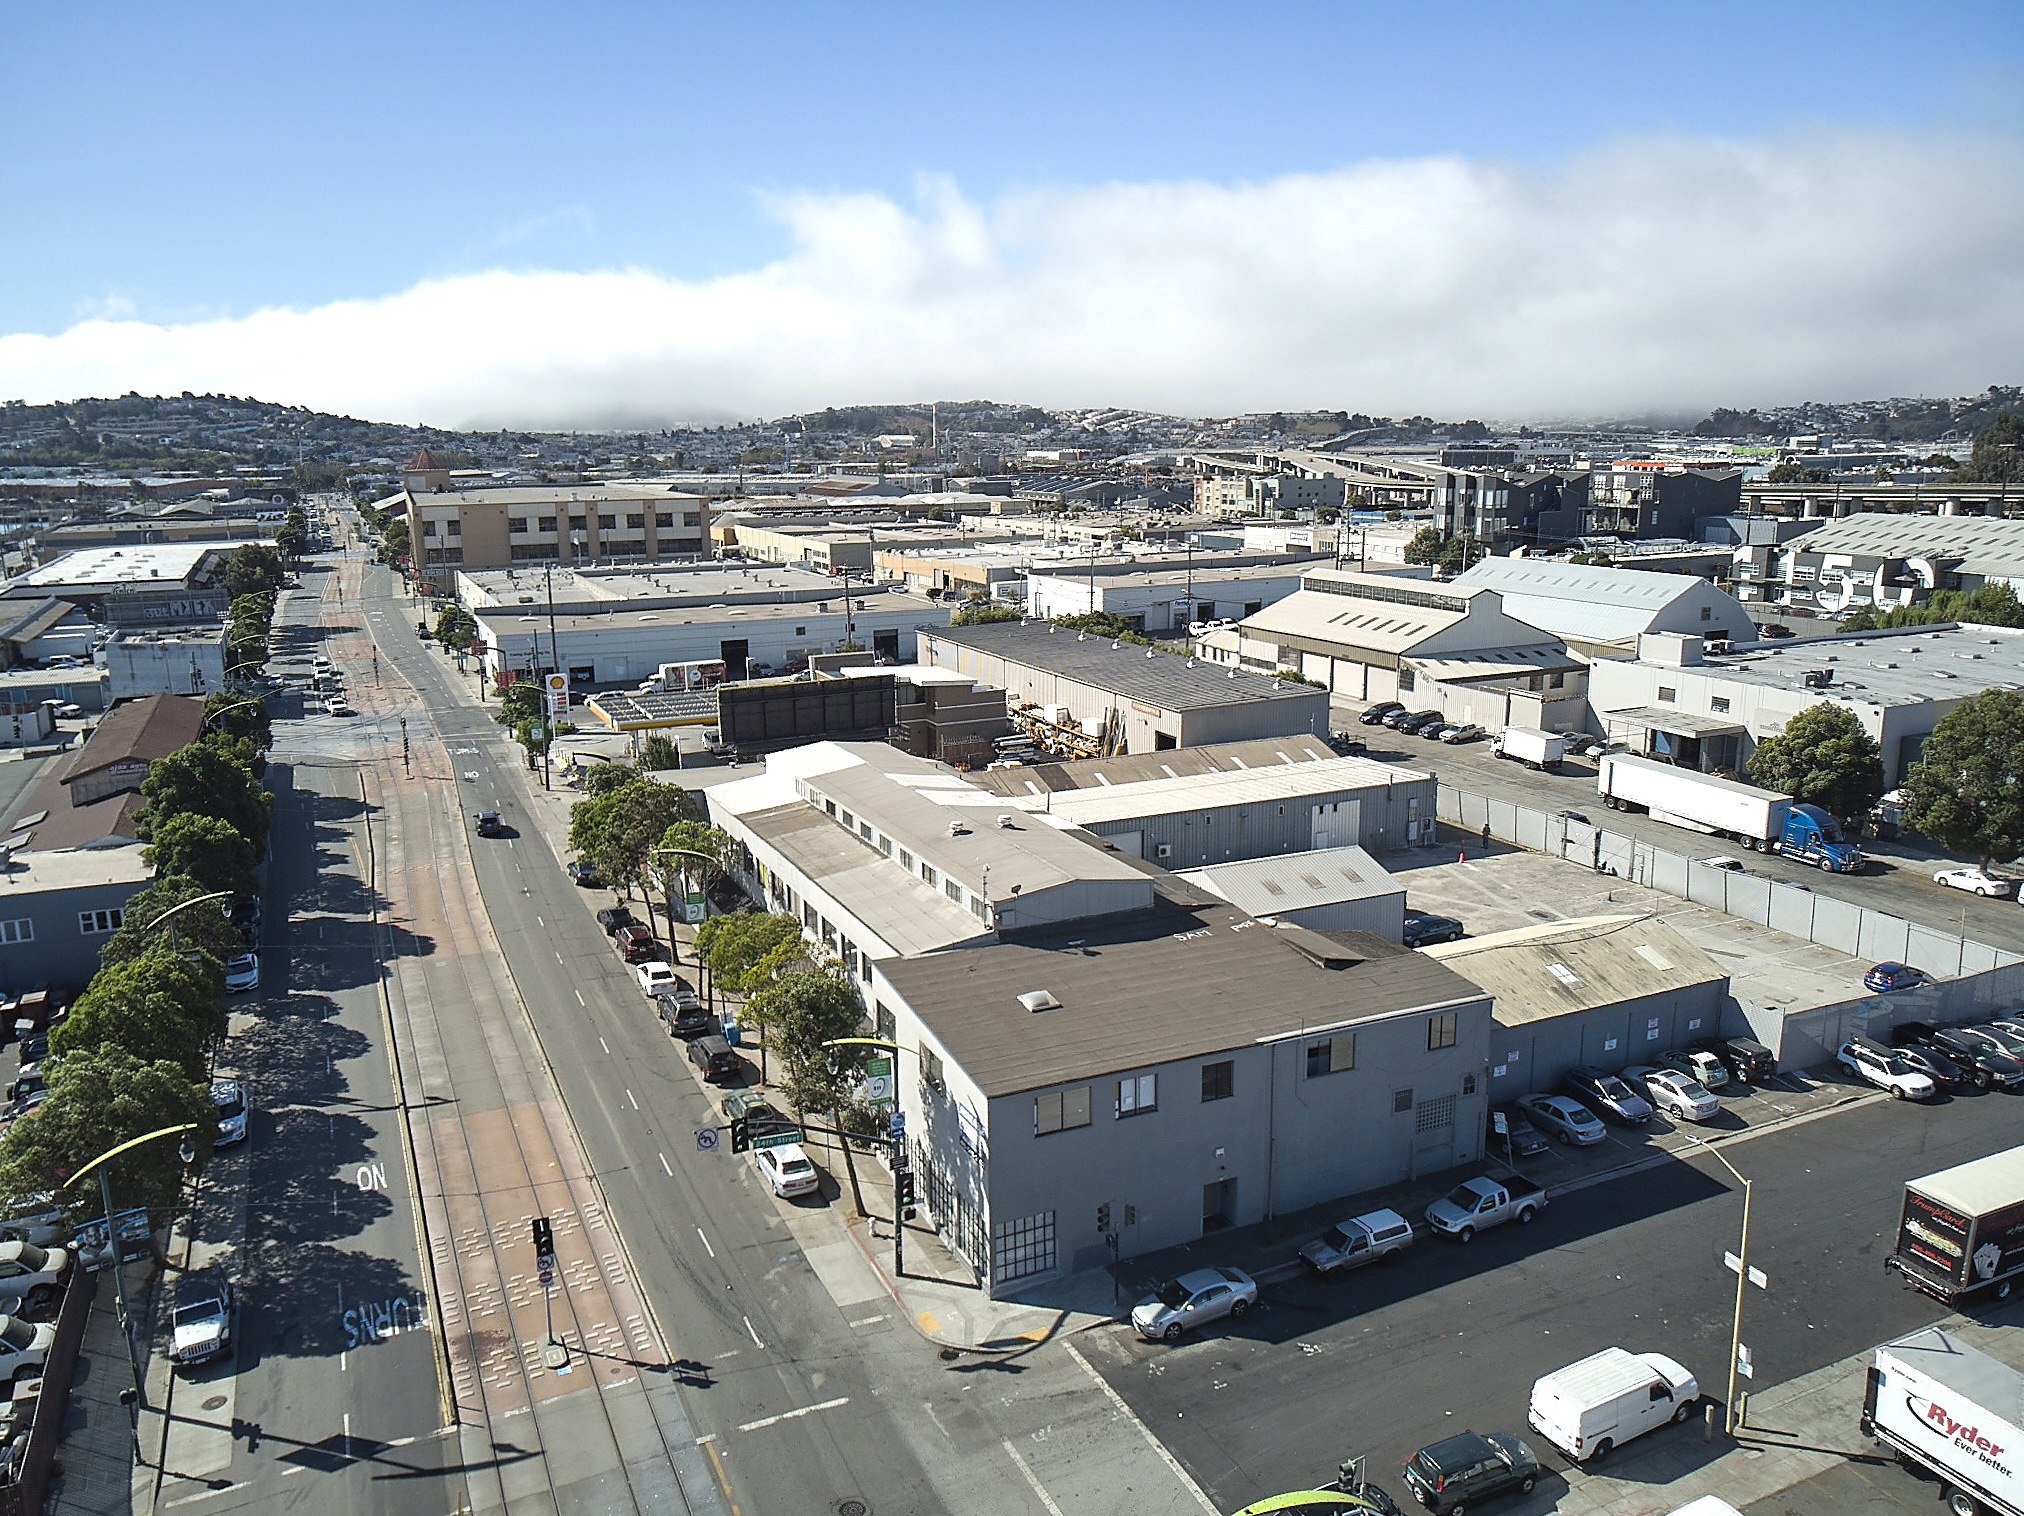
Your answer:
<point x="1476" y="1204"/>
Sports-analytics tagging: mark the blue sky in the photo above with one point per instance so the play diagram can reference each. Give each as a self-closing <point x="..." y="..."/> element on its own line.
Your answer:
<point x="180" y="167"/>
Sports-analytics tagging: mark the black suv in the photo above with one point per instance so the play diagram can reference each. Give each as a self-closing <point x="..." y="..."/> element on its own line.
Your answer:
<point x="1981" y="1055"/>
<point x="1376" y="714"/>
<point x="489" y="824"/>
<point x="717" y="1059"/>
<point x="1746" y="1059"/>
<point x="1460" y="1471"/>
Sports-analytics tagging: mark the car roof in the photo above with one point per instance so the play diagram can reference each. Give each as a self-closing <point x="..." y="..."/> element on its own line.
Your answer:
<point x="1200" y="1279"/>
<point x="782" y="1152"/>
<point x="1463" y="1447"/>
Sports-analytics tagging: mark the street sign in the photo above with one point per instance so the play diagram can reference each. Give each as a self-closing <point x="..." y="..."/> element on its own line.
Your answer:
<point x="776" y="1139"/>
<point x="1757" y="1276"/>
<point x="706" y="1139"/>
<point x="896" y="1128"/>
<point x="1743" y="1360"/>
<point x="878" y="1081"/>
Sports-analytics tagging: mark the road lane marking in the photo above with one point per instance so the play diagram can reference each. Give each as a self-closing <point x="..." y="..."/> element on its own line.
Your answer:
<point x="723" y="1479"/>
<point x="629" y="1096"/>
<point x="748" y="1324"/>
<point x="706" y="1439"/>
<point x="600" y="1041"/>
<point x="1038" y="1488"/>
<point x="586" y="1005"/>
<point x="699" y="1231"/>
<point x="1145" y="1431"/>
<point x="808" y="1410"/>
<point x="868" y="1321"/>
<point x="664" y="1165"/>
<point x="540" y="923"/>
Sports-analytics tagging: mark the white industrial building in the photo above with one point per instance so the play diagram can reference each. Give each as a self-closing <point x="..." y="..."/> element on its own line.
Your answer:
<point x="189" y="662"/>
<point x="1601" y="612"/>
<point x="1879" y="561"/>
<point x="1338" y="889"/>
<point x="1166" y="597"/>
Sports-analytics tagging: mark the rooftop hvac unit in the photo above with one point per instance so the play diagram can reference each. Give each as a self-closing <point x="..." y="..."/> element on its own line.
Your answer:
<point x="957" y="829"/>
<point x="1005" y="820"/>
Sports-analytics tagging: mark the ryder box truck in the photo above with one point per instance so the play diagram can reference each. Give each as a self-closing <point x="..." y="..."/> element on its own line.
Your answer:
<point x="1952" y="1410"/>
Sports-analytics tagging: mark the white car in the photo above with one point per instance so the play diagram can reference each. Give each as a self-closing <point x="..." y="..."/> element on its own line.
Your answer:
<point x="335" y="707"/>
<point x="23" y="1346"/>
<point x="787" y="1169"/>
<point x="656" y="978"/>
<point x="1884" y="1069"/>
<point x="201" y="1322"/>
<point x="30" y="1273"/>
<point x="1975" y="882"/>
<point x="229" y="1096"/>
<point x="242" y="974"/>
<point x="1675" y="1093"/>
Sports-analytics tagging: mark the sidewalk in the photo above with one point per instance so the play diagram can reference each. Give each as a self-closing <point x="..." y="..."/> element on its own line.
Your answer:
<point x="96" y="1454"/>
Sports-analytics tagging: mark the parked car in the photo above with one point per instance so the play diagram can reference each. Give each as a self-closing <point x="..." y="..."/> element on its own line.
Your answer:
<point x="1423" y="929"/>
<point x="1699" y="1065"/>
<point x="760" y="1117"/>
<point x="202" y="1320"/>
<point x="635" y="944"/>
<point x="242" y="973"/>
<point x="787" y="1170"/>
<point x="23" y="1346"/>
<point x="1975" y="882"/>
<point x="716" y="1059"/>
<point x="655" y="977"/>
<point x="1938" y="1067"/>
<point x="35" y="1217"/>
<point x="1463" y="1471"/>
<point x="1347" y="746"/>
<point x="1675" y="1093"/>
<point x="1607" y="1095"/>
<point x="33" y="1077"/>
<point x="584" y="874"/>
<point x="488" y="824"/>
<point x="1376" y="1237"/>
<point x="1987" y="1060"/>
<point x="685" y="1014"/>
<point x="229" y="1097"/>
<point x="1569" y="1120"/>
<point x="30" y="1275"/>
<point x="1180" y="1305"/>
<point x="336" y="707"/>
<point x="1375" y="715"/>
<point x="1476" y="1205"/>
<point x="1468" y="731"/>
<point x="612" y="917"/>
<point x="1418" y="721"/>
<point x="1886" y="978"/>
<point x="2007" y="1034"/>
<point x="1747" y="1060"/>
<point x="1882" y="1067"/>
<point x="1519" y="1136"/>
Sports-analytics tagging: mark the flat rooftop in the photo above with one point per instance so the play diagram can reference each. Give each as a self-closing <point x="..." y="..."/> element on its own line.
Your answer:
<point x="1133" y="768"/>
<point x="524" y="620"/>
<point x="1258" y="786"/>
<point x="1906" y="666"/>
<point x="161" y="565"/>
<point x="1150" y="675"/>
<point x="78" y="868"/>
<point x="1268" y="886"/>
<point x="644" y="586"/>
<point x="1554" y="968"/>
<point x="1184" y="981"/>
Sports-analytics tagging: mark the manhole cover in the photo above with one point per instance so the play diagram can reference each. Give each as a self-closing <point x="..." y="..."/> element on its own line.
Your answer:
<point x="214" y="1402"/>
<point x="852" y="1508"/>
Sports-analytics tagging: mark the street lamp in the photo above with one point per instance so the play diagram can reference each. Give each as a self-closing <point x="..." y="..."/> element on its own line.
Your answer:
<point x="1740" y="1262"/>
<point x="174" y="945"/>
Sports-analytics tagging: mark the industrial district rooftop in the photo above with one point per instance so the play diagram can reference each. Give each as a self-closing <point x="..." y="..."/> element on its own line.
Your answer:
<point x="1124" y="669"/>
<point x="1904" y="666"/>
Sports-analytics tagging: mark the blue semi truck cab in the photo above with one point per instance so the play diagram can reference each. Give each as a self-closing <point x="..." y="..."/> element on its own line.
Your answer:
<point x="1812" y="836"/>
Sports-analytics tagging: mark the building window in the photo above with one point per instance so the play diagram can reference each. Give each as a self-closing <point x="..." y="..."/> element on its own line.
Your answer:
<point x="981" y="909"/>
<point x="1468" y="1084"/>
<point x="692" y="518"/>
<point x="576" y="523"/>
<point x="1707" y="613"/>
<point x="428" y="528"/>
<point x="97" y="923"/>
<point x="1719" y="704"/>
<point x="809" y="919"/>
<point x="1022" y="1248"/>
<point x="455" y="527"/>
<point x="1402" y="1101"/>
<point x="885" y="844"/>
<point x="516" y="523"/>
<point x="544" y="523"/>
<point x="1331" y="1055"/>
<point x="530" y="552"/>
<point x="607" y="523"/>
<point x="1557" y="682"/>
<point x="954" y="891"/>
<point x="1435" y="1114"/>
<point x="1405" y="681"/>
<point x="847" y="819"/>
<point x="906" y="860"/>
<point x="1667" y="694"/>
<point x="931" y="1068"/>
<point x="22" y="930"/>
<point x="663" y="520"/>
<point x="801" y="631"/>
<point x="883" y="1026"/>
<point x="1137" y="1096"/>
<point x="1059" y="1110"/>
<point x="1219" y="1081"/>
<point x="930" y="875"/>
<point x="864" y="830"/>
<point x="635" y="523"/>
<point x="1440" y="1031"/>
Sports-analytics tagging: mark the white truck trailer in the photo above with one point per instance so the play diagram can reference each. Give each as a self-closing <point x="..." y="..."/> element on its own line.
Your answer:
<point x="1531" y="747"/>
<point x="1762" y="820"/>
<point x="1947" y="1407"/>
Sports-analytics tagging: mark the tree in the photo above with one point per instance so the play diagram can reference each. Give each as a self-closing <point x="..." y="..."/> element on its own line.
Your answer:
<point x="1425" y="546"/>
<point x="1998" y="453"/>
<point x="253" y="568"/>
<point x="290" y="538"/>
<point x="1988" y="604"/>
<point x="747" y="949"/>
<point x="519" y="704"/>
<point x="394" y="541"/>
<point x="1824" y="757"/>
<point x="208" y="849"/>
<point x="658" y="753"/>
<point x="98" y="1100"/>
<point x="807" y="1010"/>
<point x="977" y="613"/>
<point x="688" y="850"/>
<point x="606" y="777"/>
<point x="201" y="780"/>
<point x="1104" y="624"/>
<point x="1968" y="792"/>
<point x="1792" y="471"/>
<point x="618" y="829"/>
<point x="455" y="628"/>
<point x="203" y="929"/>
<point x="1458" y="552"/>
<point x="235" y="715"/>
<point x="159" y="1007"/>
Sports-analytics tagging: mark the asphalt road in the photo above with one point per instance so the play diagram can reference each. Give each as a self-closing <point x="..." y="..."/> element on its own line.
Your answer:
<point x="332" y="1398"/>
<point x="1896" y="876"/>
<point x="1386" y="1361"/>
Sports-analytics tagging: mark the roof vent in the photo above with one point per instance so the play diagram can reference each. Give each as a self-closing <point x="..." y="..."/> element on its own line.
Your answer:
<point x="1005" y="820"/>
<point x="957" y="829"/>
<point x="1037" y="1001"/>
<point x="1115" y="646"/>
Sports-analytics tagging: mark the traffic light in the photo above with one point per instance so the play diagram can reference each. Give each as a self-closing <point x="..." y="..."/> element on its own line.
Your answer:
<point x="544" y="1237"/>
<point x="741" y="1134"/>
<point x="903" y="1186"/>
<point x="1103" y="1218"/>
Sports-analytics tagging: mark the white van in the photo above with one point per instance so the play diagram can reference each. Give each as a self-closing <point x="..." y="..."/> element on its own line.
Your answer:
<point x="1600" y="1403"/>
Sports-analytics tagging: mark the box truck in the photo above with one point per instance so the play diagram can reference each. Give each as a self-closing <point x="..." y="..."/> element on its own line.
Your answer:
<point x="1962" y="1230"/>
<point x="1947" y="1407"/>
<point x="1531" y="747"/>
<point x="1762" y="820"/>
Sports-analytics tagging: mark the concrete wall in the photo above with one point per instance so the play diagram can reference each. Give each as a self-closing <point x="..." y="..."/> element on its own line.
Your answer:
<point x="1533" y="1056"/>
<point x="1377" y="818"/>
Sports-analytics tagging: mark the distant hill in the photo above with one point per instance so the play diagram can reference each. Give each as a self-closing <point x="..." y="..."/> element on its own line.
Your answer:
<point x="1885" y="420"/>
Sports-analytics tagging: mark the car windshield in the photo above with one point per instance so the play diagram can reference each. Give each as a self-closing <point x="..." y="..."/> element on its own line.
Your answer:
<point x="231" y="1104"/>
<point x="1173" y="1295"/>
<point x="33" y="1258"/>
<point x="197" y="1311"/>
<point x="1613" y="1088"/>
<point x="1461" y="1195"/>
<point x="1335" y="1237"/>
<point x="18" y="1334"/>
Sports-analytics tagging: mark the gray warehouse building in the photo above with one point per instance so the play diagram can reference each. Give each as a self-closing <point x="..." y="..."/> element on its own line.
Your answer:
<point x="1136" y="699"/>
<point x="1339" y="889"/>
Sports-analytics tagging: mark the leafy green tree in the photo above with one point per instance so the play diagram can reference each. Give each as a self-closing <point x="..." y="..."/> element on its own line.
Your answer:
<point x="657" y="754"/>
<point x="290" y="538"/>
<point x="1938" y="460"/>
<point x="394" y="541"/>
<point x="603" y="778"/>
<point x="1104" y="624"/>
<point x="1998" y="453"/>
<point x="1792" y="471"/>
<point x="201" y="780"/>
<point x="240" y="750"/>
<point x="747" y="949"/>
<point x="207" y="849"/>
<point x="807" y="1010"/>
<point x="519" y="704"/>
<point x="1425" y="546"/>
<point x="235" y="715"/>
<point x="1968" y="792"/>
<point x="455" y="628"/>
<point x="637" y="818"/>
<point x="1457" y="553"/>
<point x="1990" y="604"/>
<point x="98" y="1100"/>
<point x="160" y="1008"/>
<point x="253" y="568"/>
<point x="1824" y="757"/>
<point x="148" y="927"/>
<point x="977" y="613"/>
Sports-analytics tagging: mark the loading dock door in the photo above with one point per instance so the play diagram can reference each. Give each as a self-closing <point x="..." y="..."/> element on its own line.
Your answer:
<point x="886" y="645"/>
<point x="733" y="654"/>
